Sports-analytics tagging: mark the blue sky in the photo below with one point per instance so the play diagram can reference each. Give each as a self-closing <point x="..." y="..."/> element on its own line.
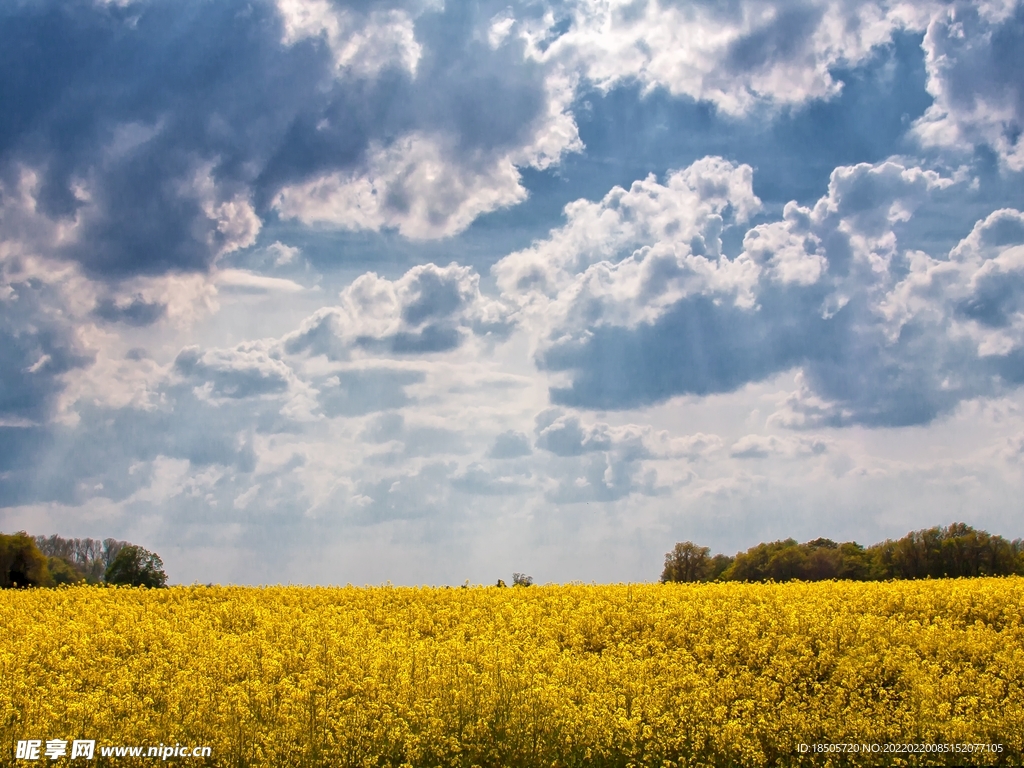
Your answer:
<point x="324" y="292"/>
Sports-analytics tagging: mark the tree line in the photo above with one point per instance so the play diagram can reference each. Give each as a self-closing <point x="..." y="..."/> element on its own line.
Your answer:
<point x="49" y="561"/>
<point x="954" y="551"/>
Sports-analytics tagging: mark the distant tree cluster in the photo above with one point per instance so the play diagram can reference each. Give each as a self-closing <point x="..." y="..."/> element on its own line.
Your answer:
<point x="21" y="563"/>
<point x="955" y="551"/>
<point x="79" y="559"/>
<point x="518" y="580"/>
<point x="46" y="561"/>
<point x="136" y="567"/>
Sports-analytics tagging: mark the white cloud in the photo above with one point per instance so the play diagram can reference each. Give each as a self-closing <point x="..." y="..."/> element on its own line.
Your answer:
<point x="763" y="446"/>
<point x="415" y="186"/>
<point x="244" y="280"/>
<point x="510" y="445"/>
<point x="247" y="370"/>
<point x="635" y="300"/>
<point x="149" y="384"/>
<point x="789" y="251"/>
<point x="735" y="55"/>
<point x="554" y="132"/>
<point x="867" y="199"/>
<point x="978" y="292"/>
<point x="973" y="59"/>
<point x="684" y="217"/>
<point x="283" y="254"/>
<point x="425" y="187"/>
<point x="236" y="223"/>
<point x="361" y="46"/>
<point x="693" y="447"/>
<point x="429" y="309"/>
<point x="429" y="182"/>
<point x="501" y="25"/>
<point x="565" y="435"/>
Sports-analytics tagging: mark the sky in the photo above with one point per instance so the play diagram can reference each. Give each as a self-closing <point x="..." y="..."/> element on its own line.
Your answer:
<point x="319" y="292"/>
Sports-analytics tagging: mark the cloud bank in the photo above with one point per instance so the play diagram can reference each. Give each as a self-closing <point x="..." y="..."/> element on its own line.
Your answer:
<point x="422" y="291"/>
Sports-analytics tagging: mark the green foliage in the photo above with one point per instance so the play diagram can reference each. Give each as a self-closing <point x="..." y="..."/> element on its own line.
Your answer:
<point x="777" y="560"/>
<point x="90" y="557"/>
<point x="63" y="572"/>
<point x="521" y="580"/>
<point x="136" y="567"/>
<point x="955" y="551"/>
<point x="719" y="565"/>
<point x="691" y="562"/>
<point x="687" y="562"/>
<point x="958" y="550"/>
<point x="21" y="562"/>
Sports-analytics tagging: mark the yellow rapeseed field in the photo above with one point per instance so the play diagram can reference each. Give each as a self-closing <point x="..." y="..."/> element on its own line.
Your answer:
<point x="576" y="675"/>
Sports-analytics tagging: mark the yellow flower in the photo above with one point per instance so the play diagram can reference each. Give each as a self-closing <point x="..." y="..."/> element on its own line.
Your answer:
<point x="574" y="675"/>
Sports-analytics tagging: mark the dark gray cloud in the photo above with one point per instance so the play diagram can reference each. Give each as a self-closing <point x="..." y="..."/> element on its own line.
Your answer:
<point x="136" y="354"/>
<point x="785" y="37"/>
<point x="109" y="452"/>
<point x="166" y="129"/>
<point x="882" y="336"/>
<point x="974" y="56"/>
<point x="698" y="347"/>
<point x="130" y="104"/>
<point x="701" y="348"/>
<point x="435" y="294"/>
<point x="20" y="451"/>
<point x="37" y="348"/>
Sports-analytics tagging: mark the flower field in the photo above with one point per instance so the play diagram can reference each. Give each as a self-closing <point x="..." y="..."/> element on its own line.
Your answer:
<point x="576" y="675"/>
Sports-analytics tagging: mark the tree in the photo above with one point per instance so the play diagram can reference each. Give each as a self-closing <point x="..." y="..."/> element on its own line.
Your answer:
<point x="821" y="563"/>
<point x="787" y="563"/>
<point x="90" y="557"/>
<point x="854" y="562"/>
<point x="958" y="550"/>
<point x="918" y="555"/>
<point x="63" y="572"/>
<point x="136" y="567"/>
<point x="756" y="564"/>
<point x="719" y="565"/>
<point x="521" y="580"/>
<point x="687" y="562"/>
<point x="21" y="562"/>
